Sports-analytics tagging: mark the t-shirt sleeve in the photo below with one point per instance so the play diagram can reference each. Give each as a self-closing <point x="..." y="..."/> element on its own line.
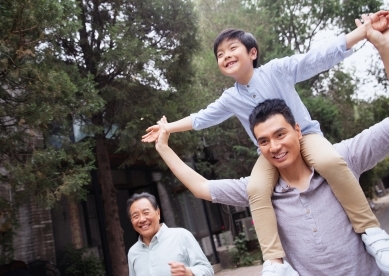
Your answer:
<point x="301" y="67"/>
<point x="215" y="113"/>
<point x="366" y="149"/>
<point x="229" y="191"/>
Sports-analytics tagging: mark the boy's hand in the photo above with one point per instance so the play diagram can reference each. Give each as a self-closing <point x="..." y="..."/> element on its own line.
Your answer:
<point x="152" y="134"/>
<point x="163" y="137"/>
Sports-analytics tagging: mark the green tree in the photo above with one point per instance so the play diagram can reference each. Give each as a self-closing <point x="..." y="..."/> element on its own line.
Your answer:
<point x="38" y="101"/>
<point x="281" y="28"/>
<point x="138" y="55"/>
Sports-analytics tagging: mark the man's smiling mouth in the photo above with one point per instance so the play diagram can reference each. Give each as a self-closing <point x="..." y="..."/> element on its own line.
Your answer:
<point x="279" y="156"/>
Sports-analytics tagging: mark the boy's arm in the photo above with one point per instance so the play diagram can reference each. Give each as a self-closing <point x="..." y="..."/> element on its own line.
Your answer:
<point x="195" y="182"/>
<point x="377" y="22"/>
<point x="301" y="67"/>
<point x="177" y="126"/>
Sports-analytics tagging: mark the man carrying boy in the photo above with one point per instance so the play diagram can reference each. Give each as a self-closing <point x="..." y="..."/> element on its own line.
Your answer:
<point x="314" y="229"/>
<point x="236" y="53"/>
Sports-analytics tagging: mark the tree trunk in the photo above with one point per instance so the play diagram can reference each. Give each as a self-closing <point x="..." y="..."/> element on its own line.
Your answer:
<point x="114" y="230"/>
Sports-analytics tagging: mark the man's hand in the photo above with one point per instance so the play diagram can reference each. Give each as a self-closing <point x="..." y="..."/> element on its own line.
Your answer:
<point x="179" y="269"/>
<point x="377" y="38"/>
<point x="151" y="135"/>
<point x="379" y="20"/>
<point x="163" y="137"/>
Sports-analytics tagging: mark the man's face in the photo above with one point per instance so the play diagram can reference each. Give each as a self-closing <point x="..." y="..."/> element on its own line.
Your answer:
<point x="234" y="60"/>
<point x="278" y="141"/>
<point x="144" y="219"/>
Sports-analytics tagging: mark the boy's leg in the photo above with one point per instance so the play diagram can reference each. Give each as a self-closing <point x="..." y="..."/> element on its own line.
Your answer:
<point x="260" y="189"/>
<point x="320" y="154"/>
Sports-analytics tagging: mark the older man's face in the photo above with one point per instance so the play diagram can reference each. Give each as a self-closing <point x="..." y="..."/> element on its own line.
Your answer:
<point x="145" y="219"/>
<point x="278" y="141"/>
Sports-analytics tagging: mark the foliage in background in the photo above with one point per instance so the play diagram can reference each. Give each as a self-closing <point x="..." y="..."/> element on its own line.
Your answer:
<point x="77" y="262"/>
<point x="281" y="30"/>
<point x="240" y="254"/>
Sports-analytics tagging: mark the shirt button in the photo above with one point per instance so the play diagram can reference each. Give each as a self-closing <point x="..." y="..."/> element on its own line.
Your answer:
<point x="314" y="229"/>
<point x="308" y="211"/>
<point x="248" y="85"/>
<point x="254" y="96"/>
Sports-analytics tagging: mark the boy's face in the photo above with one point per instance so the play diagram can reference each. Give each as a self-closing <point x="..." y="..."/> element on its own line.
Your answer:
<point x="278" y="141"/>
<point x="234" y="60"/>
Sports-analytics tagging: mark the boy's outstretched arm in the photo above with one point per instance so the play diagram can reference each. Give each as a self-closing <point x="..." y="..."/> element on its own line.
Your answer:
<point x="378" y="39"/>
<point x="378" y="22"/>
<point x="177" y="126"/>
<point x="195" y="182"/>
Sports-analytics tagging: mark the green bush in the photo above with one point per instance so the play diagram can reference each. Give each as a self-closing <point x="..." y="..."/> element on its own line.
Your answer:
<point x="76" y="262"/>
<point x="240" y="255"/>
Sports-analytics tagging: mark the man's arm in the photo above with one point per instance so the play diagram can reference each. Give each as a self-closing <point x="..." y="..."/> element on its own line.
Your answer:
<point x="378" y="39"/>
<point x="195" y="182"/>
<point x="366" y="149"/>
<point x="198" y="262"/>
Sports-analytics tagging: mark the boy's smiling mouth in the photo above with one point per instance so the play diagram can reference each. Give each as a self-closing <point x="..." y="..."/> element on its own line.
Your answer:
<point x="230" y="63"/>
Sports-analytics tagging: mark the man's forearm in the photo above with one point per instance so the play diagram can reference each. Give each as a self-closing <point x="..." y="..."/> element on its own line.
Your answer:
<point x="180" y="125"/>
<point x="195" y="182"/>
<point x="384" y="53"/>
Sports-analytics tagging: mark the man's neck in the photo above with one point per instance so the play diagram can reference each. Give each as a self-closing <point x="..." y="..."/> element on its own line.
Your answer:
<point x="297" y="175"/>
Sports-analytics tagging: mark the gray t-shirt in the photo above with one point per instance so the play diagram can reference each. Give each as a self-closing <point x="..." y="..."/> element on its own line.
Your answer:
<point x="314" y="229"/>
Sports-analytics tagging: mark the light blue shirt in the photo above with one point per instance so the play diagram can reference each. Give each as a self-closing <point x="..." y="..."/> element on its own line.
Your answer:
<point x="168" y="245"/>
<point x="275" y="79"/>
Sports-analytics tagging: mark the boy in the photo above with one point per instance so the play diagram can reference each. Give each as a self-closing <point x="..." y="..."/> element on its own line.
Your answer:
<point x="236" y="53"/>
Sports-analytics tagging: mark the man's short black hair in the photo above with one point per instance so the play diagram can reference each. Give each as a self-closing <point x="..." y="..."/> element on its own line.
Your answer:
<point x="136" y="197"/>
<point x="269" y="108"/>
<point x="247" y="39"/>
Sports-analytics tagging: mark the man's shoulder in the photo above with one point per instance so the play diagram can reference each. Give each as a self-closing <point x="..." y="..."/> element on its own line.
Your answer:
<point x="135" y="248"/>
<point x="177" y="230"/>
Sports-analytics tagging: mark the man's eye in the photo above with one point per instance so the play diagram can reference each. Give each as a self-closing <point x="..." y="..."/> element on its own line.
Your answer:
<point x="280" y="135"/>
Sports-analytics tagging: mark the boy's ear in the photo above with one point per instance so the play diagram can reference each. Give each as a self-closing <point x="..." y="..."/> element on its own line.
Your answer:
<point x="253" y="53"/>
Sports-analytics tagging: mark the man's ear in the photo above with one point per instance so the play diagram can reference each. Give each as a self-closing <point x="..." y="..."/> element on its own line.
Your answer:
<point x="253" y="53"/>
<point x="298" y="131"/>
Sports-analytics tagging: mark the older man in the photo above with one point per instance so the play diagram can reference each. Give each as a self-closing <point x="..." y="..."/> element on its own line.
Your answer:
<point x="162" y="251"/>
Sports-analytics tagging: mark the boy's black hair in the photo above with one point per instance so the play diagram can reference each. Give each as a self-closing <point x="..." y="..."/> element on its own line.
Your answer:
<point x="247" y="39"/>
<point x="136" y="197"/>
<point x="269" y="108"/>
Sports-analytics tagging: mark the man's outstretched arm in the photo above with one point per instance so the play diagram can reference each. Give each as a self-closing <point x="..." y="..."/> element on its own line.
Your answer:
<point x="380" y="40"/>
<point x="195" y="182"/>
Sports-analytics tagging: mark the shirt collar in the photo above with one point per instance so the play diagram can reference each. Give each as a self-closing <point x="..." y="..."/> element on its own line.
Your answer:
<point x="283" y="187"/>
<point x="157" y="237"/>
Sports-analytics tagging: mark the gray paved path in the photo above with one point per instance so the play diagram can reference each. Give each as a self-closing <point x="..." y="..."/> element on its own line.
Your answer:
<point x="254" y="270"/>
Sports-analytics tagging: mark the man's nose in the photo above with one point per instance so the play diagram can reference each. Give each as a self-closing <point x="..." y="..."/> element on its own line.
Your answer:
<point x="142" y="218"/>
<point x="274" y="146"/>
